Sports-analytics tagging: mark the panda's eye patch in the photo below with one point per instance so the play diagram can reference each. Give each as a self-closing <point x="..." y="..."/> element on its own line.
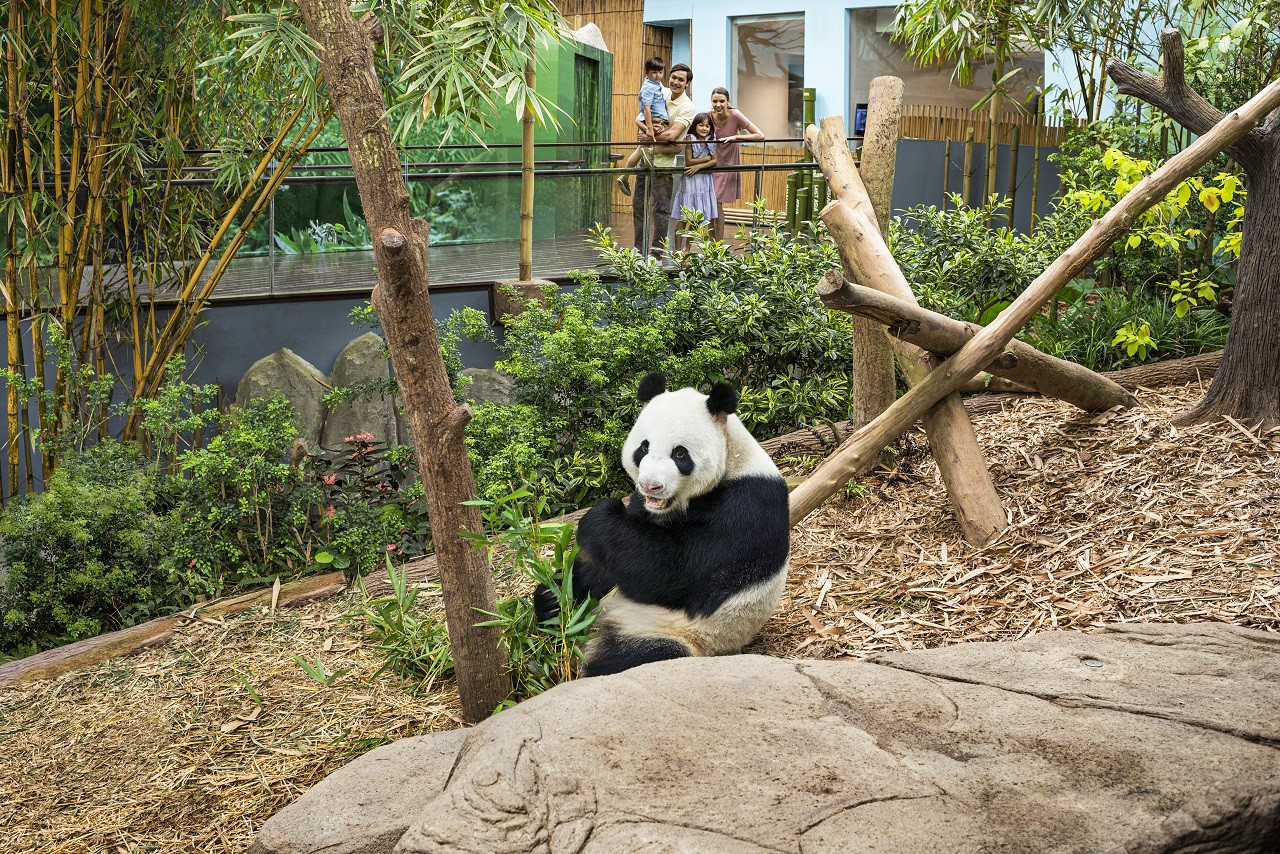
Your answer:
<point x="684" y="462"/>
<point x="640" y="452"/>
<point x="679" y="452"/>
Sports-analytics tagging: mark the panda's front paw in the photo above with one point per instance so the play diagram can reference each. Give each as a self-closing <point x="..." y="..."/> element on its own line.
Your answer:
<point x="610" y="506"/>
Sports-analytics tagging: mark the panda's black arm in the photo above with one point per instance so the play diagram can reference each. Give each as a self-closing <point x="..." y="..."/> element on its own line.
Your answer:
<point x="642" y="558"/>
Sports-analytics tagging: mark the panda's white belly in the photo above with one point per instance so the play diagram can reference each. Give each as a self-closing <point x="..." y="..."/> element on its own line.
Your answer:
<point x="725" y="632"/>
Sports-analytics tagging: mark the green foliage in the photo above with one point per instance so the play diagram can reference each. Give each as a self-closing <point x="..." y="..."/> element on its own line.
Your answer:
<point x="1086" y="330"/>
<point x="960" y="267"/>
<point x="84" y="556"/>
<point x="414" y="647"/>
<point x="751" y="318"/>
<point x="371" y="504"/>
<point x="246" y="512"/>
<point x="541" y="655"/>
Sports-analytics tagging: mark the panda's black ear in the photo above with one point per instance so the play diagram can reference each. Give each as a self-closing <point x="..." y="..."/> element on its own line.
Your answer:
<point x="651" y="386"/>
<point x="723" y="401"/>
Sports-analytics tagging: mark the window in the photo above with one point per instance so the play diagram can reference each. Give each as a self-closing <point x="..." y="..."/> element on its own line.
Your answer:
<point x="871" y="54"/>
<point x="768" y="59"/>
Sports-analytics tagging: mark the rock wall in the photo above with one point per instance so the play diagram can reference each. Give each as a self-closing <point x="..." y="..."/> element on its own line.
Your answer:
<point x="1155" y="739"/>
<point x="361" y="365"/>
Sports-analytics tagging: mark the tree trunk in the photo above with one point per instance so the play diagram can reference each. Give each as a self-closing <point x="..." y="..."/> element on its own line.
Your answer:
<point x="874" y="383"/>
<point x="941" y="335"/>
<point x="1247" y="384"/>
<point x="403" y="306"/>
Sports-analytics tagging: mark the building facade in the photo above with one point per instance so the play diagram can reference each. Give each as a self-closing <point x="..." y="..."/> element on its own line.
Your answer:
<point x="766" y="51"/>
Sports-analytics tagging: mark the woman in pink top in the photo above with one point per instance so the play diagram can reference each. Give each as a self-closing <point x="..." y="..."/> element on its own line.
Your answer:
<point x="730" y="128"/>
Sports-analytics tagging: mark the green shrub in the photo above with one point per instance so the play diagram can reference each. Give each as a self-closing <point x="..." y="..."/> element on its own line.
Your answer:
<point x="751" y="318"/>
<point x="959" y="267"/>
<point x="84" y="556"/>
<point x="247" y="511"/>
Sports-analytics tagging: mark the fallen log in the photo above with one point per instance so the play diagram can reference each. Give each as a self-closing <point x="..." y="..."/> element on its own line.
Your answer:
<point x="943" y="336"/>
<point x="851" y="221"/>
<point x="55" y="662"/>
<point x="860" y="451"/>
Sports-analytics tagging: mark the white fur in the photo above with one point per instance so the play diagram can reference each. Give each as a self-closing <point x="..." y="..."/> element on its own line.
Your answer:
<point x="721" y="449"/>
<point x="725" y="632"/>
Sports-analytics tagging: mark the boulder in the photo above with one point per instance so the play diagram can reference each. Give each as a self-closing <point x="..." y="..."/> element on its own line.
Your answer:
<point x="489" y="385"/>
<point x="361" y="364"/>
<point x="1135" y="739"/>
<point x="299" y="380"/>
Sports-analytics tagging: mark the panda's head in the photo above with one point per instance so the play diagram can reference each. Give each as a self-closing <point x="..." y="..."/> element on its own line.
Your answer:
<point x="677" y="449"/>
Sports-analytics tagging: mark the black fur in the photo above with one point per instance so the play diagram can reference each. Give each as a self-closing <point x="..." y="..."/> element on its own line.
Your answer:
<point x="623" y="653"/>
<point x="736" y="535"/>
<point x="651" y="386"/>
<point x="722" y="400"/>
<point x="641" y="452"/>
<point x="682" y="458"/>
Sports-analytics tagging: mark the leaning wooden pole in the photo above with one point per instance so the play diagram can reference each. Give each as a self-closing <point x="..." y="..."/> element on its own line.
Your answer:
<point x="858" y="453"/>
<point x="943" y="336"/>
<point x="851" y="221"/>
<point x="436" y="421"/>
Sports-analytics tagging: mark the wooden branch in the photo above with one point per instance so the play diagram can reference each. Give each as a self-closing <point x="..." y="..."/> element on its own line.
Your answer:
<point x="1179" y="101"/>
<point x="943" y="336"/>
<point x="860" y="450"/>
<point x="53" y="663"/>
<point x="851" y="220"/>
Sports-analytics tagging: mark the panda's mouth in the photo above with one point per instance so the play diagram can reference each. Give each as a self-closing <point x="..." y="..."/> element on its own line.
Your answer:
<point x="652" y="503"/>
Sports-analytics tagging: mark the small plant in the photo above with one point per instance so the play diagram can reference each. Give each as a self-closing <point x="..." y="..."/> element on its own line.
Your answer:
<point x="544" y="654"/>
<point x="318" y="673"/>
<point x="414" y="646"/>
<point x="1135" y="338"/>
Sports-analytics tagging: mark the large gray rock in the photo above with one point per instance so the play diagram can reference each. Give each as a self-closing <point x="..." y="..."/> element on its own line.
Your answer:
<point x="360" y="364"/>
<point x="489" y="385"/>
<point x="1138" y="739"/>
<point x="299" y="380"/>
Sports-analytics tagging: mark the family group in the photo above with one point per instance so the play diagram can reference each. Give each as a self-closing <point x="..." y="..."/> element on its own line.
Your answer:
<point x="670" y="125"/>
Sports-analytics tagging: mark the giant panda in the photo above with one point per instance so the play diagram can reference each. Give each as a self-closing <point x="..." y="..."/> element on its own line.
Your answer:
<point x="697" y="561"/>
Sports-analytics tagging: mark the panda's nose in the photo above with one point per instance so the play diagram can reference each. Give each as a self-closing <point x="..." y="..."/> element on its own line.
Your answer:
<point x="650" y="487"/>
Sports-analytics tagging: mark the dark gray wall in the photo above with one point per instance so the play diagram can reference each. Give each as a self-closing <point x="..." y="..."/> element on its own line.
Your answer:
<point x="918" y="176"/>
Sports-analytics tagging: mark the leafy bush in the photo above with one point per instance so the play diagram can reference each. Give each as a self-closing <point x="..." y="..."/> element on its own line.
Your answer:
<point x="959" y="267"/>
<point x="753" y="319"/>
<point x="84" y="556"/>
<point x="413" y="646"/>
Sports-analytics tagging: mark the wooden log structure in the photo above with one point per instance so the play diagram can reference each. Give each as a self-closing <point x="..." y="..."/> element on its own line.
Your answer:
<point x="874" y="382"/>
<point x="943" y="336"/>
<point x="851" y="220"/>
<point x="860" y="451"/>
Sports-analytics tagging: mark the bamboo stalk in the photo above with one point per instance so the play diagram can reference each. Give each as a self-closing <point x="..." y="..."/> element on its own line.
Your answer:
<point x="526" y="178"/>
<point x="858" y="452"/>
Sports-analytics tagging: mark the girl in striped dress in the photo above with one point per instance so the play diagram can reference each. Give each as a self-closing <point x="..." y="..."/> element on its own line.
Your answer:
<point x="697" y="190"/>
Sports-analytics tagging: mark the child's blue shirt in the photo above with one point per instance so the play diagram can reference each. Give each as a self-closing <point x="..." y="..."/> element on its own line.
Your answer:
<point x="651" y="96"/>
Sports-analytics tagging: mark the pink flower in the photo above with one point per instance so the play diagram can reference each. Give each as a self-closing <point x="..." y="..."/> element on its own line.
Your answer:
<point x="330" y="512"/>
<point x="365" y="437"/>
<point x="349" y="439"/>
<point x="330" y="479"/>
<point x="391" y="547"/>
<point x="193" y="563"/>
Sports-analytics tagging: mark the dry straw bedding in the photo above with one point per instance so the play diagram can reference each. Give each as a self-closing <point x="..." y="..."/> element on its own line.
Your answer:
<point x="190" y="746"/>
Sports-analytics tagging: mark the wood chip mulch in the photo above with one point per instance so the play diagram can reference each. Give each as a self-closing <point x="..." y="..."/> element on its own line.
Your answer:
<point x="189" y="747"/>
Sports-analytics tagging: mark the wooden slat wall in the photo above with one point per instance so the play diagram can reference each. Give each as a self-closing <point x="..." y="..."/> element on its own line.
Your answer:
<point x="931" y="121"/>
<point x="621" y="22"/>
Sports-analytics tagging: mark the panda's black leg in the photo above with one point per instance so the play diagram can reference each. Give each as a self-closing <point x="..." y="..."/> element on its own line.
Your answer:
<point x="617" y="654"/>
